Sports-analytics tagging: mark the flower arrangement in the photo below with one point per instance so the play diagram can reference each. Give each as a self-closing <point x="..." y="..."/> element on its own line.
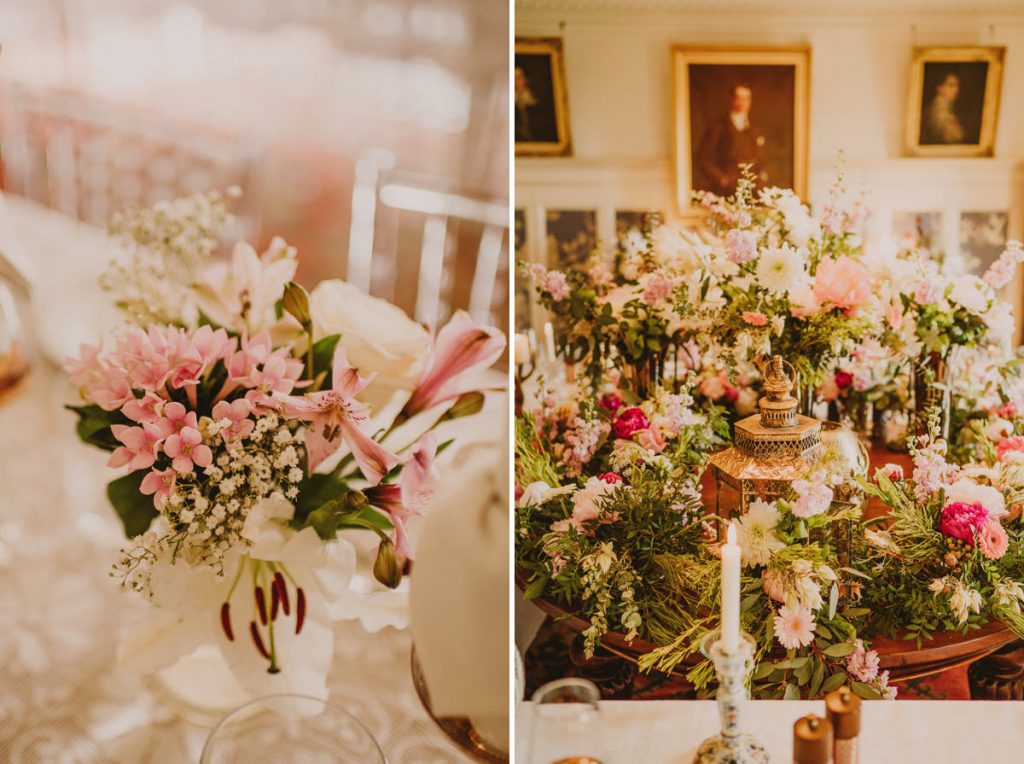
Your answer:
<point x="238" y="406"/>
<point x="947" y="555"/>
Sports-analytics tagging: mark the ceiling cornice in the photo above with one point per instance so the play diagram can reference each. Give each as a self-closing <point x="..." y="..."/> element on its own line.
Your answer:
<point x="818" y="8"/>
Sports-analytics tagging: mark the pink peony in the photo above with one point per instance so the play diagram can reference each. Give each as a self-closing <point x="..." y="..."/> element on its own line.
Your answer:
<point x="843" y="379"/>
<point x="651" y="440"/>
<point x="1015" y="443"/>
<point x="755" y="318"/>
<point x="630" y="422"/>
<point x="993" y="540"/>
<point x="963" y="521"/>
<point x="610" y="477"/>
<point x="611" y="402"/>
<point x="843" y="282"/>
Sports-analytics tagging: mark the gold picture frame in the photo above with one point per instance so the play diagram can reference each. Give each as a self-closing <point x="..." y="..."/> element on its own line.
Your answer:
<point x="704" y="78"/>
<point x="954" y="101"/>
<point x="539" y="100"/>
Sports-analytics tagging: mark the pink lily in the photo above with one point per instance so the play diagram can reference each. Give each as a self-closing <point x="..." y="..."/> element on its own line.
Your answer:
<point x="237" y="413"/>
<point x="159" y="484"/>
<point x="140" y="446"/>
<point x="460" y="348"/>
<point x="187" y="450"/>
<point x="412" y="493"/>
<point x="335" y="415"/>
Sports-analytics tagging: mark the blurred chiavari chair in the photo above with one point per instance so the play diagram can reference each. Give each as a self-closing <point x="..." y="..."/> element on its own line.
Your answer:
<point x="88" y="159"/>
<point x="427" y="247"/>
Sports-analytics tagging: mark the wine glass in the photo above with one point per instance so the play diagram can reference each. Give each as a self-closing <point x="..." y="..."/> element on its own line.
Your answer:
<point x="566" y="724"/>
<point x="279" y="729"/>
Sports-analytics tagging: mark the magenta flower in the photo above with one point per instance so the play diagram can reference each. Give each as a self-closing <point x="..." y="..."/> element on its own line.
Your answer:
<point x="335" y="415"/>
<point x="236" y="414"/>
<point x="410" y="496"/>
<point x="158" y="484"/>
<point x="140" y="446"/>
<point x="611" y="402"/>
<point x="630" y="422"/>
<point x="963" y="521"/>
<point x="460" y="348"/>
<point x="610" y="477"/>
<point x="187" y="450"/>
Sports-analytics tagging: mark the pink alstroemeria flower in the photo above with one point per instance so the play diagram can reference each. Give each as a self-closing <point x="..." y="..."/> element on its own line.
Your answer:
<point x="159" y="484"/>
<point x="140" y="446"/>
<point x="460" y="348"/>
<point x="237" y="413"/>
<point x="412" y="493"/>
<point x="187" y="450"/>
<point x="335" y="415"/>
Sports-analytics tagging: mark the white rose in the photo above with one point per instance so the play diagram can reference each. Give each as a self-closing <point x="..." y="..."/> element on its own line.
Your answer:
<point x="378" y="337"/>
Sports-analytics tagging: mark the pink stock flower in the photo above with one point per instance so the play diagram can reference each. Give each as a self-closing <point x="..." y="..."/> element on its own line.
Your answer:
<point x="962" y="521"/>
<point x="755" y="318"/>
<point x="158" y="484"/>
<point x="460" y="348"/>
<point x="1015" y="443"/>
<point x="335" y="415"/>
<point x="993" y="541"/>
<point x="1001" y="271"/>
<point x="843" y="282"/>
<point x="186" y="449"/>
<point x="630" y="422"/>
<point x="862" y="664"/>
<point x="651" y="440"/>
<point x="556" y="284"/>
<point x="140" y="446"/>
<point x="657" y="287"/>
<point x="412" y="493"/>
<point x="741" y="246"/>
<point x="926" y="292"/>
<point x="236" y="413"/>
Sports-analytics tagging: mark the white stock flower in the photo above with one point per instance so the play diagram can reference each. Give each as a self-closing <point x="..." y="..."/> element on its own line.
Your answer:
<point x="972" y="293"/>
<point x="781" y="269"/>
<point x="755" y="533"/>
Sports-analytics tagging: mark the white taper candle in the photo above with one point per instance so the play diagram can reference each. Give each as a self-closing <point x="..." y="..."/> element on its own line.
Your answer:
<point x="730" y="632"/>
<point x="549" y="341"/>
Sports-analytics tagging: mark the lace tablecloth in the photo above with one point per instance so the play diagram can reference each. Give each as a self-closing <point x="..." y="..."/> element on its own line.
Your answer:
<point x="63" y="699"/>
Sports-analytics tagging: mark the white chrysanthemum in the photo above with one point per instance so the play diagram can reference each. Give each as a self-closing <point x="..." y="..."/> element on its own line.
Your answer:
<point x="781" y="269"/>
<point x="755" y="533"/>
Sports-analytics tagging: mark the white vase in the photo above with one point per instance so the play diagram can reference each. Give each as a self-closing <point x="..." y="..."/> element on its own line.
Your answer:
<point x="200" y="687"/>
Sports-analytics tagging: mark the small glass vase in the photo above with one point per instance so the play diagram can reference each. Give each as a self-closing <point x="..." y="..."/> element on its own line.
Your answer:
<point x="290" y="728"/>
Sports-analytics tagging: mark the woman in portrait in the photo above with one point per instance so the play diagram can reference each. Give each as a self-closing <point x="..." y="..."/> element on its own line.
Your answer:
<point x="941" y="123"/>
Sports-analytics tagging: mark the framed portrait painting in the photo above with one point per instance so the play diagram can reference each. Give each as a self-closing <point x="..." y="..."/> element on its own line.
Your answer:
<point x="740" y="106"/>
<point x="539" y="98"/>
<point x="954" y="101"/>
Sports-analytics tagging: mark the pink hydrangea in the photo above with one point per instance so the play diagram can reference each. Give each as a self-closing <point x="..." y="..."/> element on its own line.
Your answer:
<point x="741" y="246"/>
<point x="842" y="282"/>
<point x="963" y="521"/>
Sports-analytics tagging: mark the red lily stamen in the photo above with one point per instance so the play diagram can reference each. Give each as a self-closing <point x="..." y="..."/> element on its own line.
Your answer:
<point x="225" y="621"/>
<point x="300" y="609"/>
<point x="279" y="581"/>
<point x="275" y="601"/>
<point x="258" y="640"/>
<point x="261" y="605"/>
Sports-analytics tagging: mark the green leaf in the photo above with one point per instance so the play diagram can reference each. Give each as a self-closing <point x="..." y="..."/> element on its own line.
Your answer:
<point x="323" y="354"/>
<point x="803" y="674"/>
<point x="135" y="509"/>
<point x="840" y="650"/>
<point x="535" y="588"/>
<point x="833" y="601"/>
<point x="315" y="491"/>
<point x="367" y="517"/>
<point x="764" y="670"/>
<point x="865" y="691"/>
<point x="816" y="679"/>
<point x="93" y="427"/>
<point x="793" y="663"/>
<point x="324" y="519"/>
<point x="834" y="682"/>
<point x="792" y="692"/>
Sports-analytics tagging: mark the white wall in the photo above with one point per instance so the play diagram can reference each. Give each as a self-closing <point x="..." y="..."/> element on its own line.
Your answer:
<point x="618" y="68"/>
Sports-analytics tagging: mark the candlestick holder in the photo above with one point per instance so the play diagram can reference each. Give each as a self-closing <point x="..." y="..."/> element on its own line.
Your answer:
<point x="731" y="746"/>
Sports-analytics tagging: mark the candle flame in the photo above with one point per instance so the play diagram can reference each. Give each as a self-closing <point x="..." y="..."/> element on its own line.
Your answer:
<point x="730" y="535"/>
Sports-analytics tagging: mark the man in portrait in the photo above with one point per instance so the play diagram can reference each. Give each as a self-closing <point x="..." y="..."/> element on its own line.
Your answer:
<point x="730" y="141"/>
<point x="941" y="123"/>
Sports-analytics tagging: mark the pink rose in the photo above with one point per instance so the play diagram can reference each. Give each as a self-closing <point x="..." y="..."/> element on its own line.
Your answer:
<point x="651" y="440"/>
<point x="993" y="540"/>
<point x="610" y="477"/>
<point x="842" y="282"/>
<point x="843" y="379"/>
<point x="962" y="521"/>
<point x="755" y="318"/>
<point x="1016" y="443"/>
<point x="630" y="422"/>
<point x="611" y="402"/>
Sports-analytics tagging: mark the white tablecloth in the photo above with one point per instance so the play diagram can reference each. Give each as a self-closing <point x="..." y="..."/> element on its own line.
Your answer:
<point x="900" y="732"/>
<point x="62" y="697"/>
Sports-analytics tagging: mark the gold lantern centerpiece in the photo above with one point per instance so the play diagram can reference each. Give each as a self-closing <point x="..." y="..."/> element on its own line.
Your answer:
<point x="772" y="449"/>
